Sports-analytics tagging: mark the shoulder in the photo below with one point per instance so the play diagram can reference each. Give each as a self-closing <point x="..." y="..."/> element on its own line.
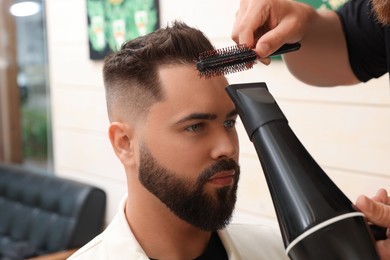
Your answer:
<point x="115" y="242"/>
<point x="257" y="240"/>
<point x="365" y="39"/>
<point x="354" y="6"/>
<point x="94" y="249"/>
<point x="250" y="231"/>
<point x="359" y="14"/>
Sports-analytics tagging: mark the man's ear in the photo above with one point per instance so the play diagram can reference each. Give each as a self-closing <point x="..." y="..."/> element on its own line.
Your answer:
<point x="122" y="141"/>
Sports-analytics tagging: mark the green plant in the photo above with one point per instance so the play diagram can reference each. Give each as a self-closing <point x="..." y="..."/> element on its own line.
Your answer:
<point x="34" y="133"/>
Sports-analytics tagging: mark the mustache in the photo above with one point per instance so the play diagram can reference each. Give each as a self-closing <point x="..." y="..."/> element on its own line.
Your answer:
<point x="221" y="165"/>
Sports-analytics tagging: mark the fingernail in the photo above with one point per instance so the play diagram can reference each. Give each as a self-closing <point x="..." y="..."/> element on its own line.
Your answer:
<point x="364" y="203"/>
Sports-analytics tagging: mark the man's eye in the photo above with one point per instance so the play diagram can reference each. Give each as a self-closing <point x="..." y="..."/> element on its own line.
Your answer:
<point x="194" y="128"/>
<point x="230" y="123"/>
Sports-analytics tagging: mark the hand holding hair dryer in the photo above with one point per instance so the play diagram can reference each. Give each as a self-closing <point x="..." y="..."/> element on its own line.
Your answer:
<point x="317" y="221"/>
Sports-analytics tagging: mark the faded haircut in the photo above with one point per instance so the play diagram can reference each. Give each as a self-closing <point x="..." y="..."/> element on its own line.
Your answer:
<point x="131" y="74"/>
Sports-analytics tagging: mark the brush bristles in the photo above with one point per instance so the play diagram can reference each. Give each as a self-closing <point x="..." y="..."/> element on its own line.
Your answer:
<point x="224" y="61"/>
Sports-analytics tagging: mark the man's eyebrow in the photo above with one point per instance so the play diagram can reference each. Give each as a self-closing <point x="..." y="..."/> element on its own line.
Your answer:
<point x="204" y="116"/>
<point x="197" y="116"/>
<point x="232" y="113"/>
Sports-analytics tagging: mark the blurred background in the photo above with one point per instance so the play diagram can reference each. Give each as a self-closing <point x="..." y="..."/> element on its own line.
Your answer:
<point x="53" y="115"/>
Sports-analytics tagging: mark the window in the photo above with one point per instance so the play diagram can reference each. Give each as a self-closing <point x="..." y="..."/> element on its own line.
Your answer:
<point x="25" y="118"/>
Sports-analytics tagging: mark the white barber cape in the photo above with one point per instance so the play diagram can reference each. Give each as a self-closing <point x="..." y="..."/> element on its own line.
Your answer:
<point x="241" y="241"/>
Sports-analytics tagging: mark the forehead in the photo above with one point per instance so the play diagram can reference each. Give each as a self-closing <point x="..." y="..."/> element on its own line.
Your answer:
<point x="185" y="93"/>
<point x="183" y="87"/>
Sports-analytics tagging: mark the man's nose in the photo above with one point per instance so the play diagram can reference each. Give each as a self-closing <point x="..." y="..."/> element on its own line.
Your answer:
<point x="225" y="145"/>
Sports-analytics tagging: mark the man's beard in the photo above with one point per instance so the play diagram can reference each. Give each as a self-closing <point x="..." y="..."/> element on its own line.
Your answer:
<point x="189" y="201"/>
<point x="382" y="11"/>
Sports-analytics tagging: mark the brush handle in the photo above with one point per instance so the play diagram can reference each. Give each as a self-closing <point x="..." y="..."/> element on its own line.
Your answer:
<point x="287" y="48"/>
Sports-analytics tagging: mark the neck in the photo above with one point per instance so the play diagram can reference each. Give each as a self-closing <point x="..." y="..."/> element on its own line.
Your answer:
<point x="161" y="234"/>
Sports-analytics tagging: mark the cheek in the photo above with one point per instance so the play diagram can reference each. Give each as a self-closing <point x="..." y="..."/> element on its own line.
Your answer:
<point x="183" y="156"/>
<point x="236" y="142"/>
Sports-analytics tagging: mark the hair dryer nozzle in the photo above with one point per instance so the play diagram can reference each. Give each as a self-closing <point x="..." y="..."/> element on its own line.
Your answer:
<point x="316" y="219"/>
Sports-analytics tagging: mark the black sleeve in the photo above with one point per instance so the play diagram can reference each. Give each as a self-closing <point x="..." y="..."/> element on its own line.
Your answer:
<point x="365" y="39"/>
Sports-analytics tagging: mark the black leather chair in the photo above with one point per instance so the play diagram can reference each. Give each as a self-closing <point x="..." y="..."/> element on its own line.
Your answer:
<point x="41" y="214"/>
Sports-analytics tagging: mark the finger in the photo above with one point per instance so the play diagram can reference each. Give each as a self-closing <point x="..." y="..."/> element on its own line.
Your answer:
<point x="265" y="61"/>
<point x="268" y="44"/>
<point x="275" y="38"/>
<point x="383" y="248"/>
<point x="236" y="29"/>
<point x="238" y="23"/>
<point x="376" y="212"/>
<point x="381" y="196"/>
<point x="249" y="22"/>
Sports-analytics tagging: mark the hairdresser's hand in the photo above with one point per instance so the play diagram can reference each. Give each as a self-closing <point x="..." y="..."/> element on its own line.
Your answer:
<point x="377" y="211"/>
<point x="268" y="24"/>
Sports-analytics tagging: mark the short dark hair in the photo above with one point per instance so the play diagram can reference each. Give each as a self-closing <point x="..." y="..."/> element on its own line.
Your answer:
<point x="131" y="74"/>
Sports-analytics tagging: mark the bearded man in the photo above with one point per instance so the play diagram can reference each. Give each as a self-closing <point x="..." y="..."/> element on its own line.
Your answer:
<point x="175" y="135"/>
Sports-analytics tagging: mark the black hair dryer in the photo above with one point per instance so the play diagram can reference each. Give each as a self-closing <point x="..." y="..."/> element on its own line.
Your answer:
<point x="316" y="219"/>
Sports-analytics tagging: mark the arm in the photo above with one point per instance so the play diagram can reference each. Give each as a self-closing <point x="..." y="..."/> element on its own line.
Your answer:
<point x="377" y="211"/>
<point x="323" y="57"/>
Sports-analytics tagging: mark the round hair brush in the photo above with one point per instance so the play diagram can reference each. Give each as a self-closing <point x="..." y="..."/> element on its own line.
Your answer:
<point x="233" y="59"/>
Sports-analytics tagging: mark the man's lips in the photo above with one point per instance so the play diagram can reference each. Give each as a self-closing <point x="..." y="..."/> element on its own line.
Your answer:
<point x="223" y="178"/>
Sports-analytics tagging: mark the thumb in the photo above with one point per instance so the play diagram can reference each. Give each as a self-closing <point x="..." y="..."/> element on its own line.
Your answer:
<point x="376" y="212"/>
